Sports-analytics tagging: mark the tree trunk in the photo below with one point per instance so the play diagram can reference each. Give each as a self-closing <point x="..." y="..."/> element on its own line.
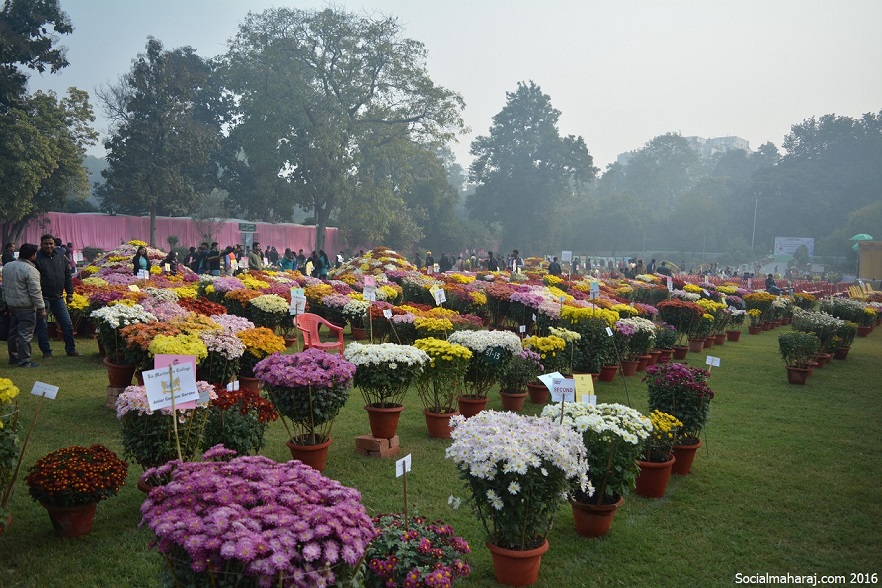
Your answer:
<point x="153" y="226"/>
<point x="13" y="230"/>
<point x="321" y="222"/>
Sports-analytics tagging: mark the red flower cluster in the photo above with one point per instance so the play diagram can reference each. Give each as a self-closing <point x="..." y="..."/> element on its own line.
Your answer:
<point x="202" y="306"/>
<point x="246" y="401"/>
<point x="76" y="475"/>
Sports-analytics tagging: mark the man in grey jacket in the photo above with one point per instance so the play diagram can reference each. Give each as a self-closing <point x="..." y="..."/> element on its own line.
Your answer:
<point x="24" y="299"/>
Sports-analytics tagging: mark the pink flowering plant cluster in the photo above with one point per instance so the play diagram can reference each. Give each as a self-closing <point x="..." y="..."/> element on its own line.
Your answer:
<point x="415" y="553"/>
<point x="224" y="352"/>
<point x="308" y="390"/>
<point x="517" y="469"/>
<point x="148" y="436"/>
<point x="250" y="521"/>
<point x="681" y="391"/>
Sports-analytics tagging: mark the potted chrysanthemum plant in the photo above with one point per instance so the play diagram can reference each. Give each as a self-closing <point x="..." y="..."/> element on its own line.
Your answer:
<point x="612" y="434"/>
<point x="383" y="373"/>
<point x="415" y="552"/>
<point x="681" y="391"/>
<point x="10" y="447"/>
<point x="148" y="436"/>
<point x="308" y="390"/>
<point x="491" y="352"/>
<point x="441" y="382"/>
<point x="69" y="483"/>
<point x="522" y="371"/>
<point x="656" y="456"/>
<point x="517" y="478"/>
<point x="264" y="523"/>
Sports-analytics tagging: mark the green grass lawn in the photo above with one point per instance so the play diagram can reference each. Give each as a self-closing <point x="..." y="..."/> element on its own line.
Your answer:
<point x="789" y="480"/>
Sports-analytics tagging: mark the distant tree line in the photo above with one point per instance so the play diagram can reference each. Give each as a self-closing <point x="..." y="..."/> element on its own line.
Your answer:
<point x="333" y="116"/>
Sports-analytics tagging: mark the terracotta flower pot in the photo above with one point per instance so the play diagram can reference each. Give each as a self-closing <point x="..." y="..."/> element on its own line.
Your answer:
<point x="754" y="330"/>
<point x="680" y="351"/>
<point x="469" y="407"/>
<point x="643" y="361"/>
<point x="629" y="367"/>
<point x="539" y="394"/>
<point x="315" y="456"/>
<point x="841" y="353"/>
<point x="733" y="336"/>
<point x="720" y="339"/>
<point x="709" y="341"/>
<point x="438" y="424"/>
<point x="359" y="333"/>
<point x="252" y="384"/>
<point x="797" y="375"/>
<point x="517" y="568"/>
<point x="665" y="355"/>
<point x="72" y="521"/>
<point x="654" y="356"/>
<point x="513" y="401"/>
<point x="594" y="520"/>
<point x="766" y="326"/>
<point x="652" y="481"/>
<point x="696" y="345"/>
<point x="608" y="373"/>
<point x="685" y="454"/>
<point x="120" y="376"/>
<point x="383" y="421"/>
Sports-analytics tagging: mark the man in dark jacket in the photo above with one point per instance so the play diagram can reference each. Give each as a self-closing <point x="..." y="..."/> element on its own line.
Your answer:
<point x="57" y="287"/>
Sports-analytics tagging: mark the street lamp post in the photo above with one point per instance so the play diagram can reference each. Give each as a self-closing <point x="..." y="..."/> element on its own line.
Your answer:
<point x="753" y="237"/>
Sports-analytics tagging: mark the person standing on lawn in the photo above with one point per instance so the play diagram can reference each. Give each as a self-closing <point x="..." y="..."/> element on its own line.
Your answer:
<point x="57" y="286"/>
<point x="24" y="299"/>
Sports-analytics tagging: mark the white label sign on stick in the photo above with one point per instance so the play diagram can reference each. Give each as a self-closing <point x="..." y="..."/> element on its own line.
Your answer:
<point x="369" y="293"/>
<point x="712" y="361"/>
<point x="160" y="386"/>
<point x="44" y="389"/>
<point x="402" y="466"/>
<point x="387" y="313"/>
<point x="440" y="296"/>
<point x="563" y="390"/>
<point x="548" y="379"/>
<point x="594" y="290"/>
<point x="670" y="284"/>
<point x="143" y="275"/>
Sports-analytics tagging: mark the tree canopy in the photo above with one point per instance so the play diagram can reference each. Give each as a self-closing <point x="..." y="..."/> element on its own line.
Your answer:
<point x="324" y="101"/>
<point x="524" y="170"/>
<point x="161" y="156"/>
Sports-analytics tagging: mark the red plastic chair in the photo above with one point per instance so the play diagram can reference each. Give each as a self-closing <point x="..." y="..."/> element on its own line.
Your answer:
<point x="309" y="324"/>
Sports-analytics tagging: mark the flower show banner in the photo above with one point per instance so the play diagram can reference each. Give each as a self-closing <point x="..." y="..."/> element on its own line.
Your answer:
<point x="789" y="245"/>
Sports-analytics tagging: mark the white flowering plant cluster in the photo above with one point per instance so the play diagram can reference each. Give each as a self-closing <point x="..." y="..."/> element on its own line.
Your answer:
<point x="384" y="371"/>
<point x="491" y="353"/>
<point x="355" y="310"/>
<point x="110" y="319"/>
<point x="642" y="338"/>
<point x="518" y="469"/>
<point x="268" y="310"/>
<point x="613" y="435"/>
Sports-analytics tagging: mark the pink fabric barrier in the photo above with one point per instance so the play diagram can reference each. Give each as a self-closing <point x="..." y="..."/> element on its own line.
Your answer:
<point x="108" y="232"/>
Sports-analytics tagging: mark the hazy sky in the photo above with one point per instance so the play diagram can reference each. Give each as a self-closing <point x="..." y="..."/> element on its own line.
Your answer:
<point x="621" y="72"/>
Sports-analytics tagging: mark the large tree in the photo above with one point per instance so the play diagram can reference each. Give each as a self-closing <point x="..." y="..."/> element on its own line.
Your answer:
<point x="42" y="137"/>
<point x="28" y="35"/>
<point x="324" y="100"/>
<point x="524" y="169"/>
<point x="161" y="153"/>
<point x="42" y="146"/>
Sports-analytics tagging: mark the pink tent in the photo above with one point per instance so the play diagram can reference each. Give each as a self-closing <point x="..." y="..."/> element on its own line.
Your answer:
<point x="107" y="232"/>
